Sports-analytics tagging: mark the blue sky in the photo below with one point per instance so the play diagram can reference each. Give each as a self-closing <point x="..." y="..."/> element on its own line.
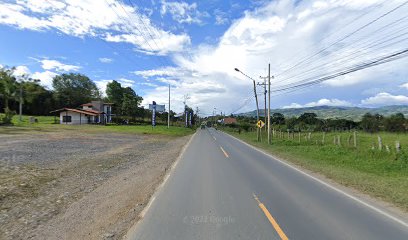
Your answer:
<point x="195" y="45"/>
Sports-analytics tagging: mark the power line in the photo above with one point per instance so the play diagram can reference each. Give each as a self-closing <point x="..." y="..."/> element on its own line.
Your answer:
<point x="378" y="61"/>
<point x="343" y="38"/>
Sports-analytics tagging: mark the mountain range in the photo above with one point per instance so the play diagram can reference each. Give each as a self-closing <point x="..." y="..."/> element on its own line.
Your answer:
<point x="325" y="112"/>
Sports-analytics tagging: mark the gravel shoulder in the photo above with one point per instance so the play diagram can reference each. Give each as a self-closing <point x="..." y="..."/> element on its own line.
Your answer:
<point x="68" y="185"/>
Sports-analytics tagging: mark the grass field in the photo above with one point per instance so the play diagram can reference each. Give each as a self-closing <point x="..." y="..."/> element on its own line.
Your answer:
<point x="46" y="123"/>
<point x="381" y="174"/>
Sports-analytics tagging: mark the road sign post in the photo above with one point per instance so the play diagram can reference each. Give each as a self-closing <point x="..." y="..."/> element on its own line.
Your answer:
<point x="154" y="114"/>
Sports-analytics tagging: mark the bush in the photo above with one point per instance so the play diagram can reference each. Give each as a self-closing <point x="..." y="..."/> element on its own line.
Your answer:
<point x="8" y="116"/>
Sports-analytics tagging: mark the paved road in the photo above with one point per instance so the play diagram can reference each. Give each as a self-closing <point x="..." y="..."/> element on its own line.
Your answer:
<point x="224" y="189"/>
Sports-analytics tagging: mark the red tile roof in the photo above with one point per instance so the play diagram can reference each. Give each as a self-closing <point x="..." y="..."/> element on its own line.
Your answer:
<point x="87" y="112"/>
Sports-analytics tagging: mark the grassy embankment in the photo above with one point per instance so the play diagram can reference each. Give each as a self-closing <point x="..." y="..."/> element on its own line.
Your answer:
<point x="381" y="174"/>
<point x="46" y="124"/>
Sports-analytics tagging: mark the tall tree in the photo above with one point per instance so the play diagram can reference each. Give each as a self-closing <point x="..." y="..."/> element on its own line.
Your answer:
<point x="8" y="86"/>
<point x="114" y="92"/>
<point x="73" y="89"/>
<point x="125" y="99"/>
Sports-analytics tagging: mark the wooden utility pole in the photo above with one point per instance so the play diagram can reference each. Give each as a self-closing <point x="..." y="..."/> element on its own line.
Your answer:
<point x="269" y="103"/>
<point x="257" y="112"/>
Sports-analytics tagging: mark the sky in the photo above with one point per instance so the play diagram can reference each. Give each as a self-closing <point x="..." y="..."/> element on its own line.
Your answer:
<point x="194" y="46"/>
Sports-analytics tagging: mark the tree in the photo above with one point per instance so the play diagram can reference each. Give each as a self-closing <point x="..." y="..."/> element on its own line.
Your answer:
<point x="291" y="122"/>
<point x="114" y="92"/>
<point x="278" y="118"/>
<point x="37" y="99"/>
<point x="308" y="118"/>
<point x="125" y="99"/>
<point x="8" y="91"/>
<point x="395" y="123"/>
<point x="371" y="123"/>
<point x="130" y="102"/>
<point x="8" y="86"/>
<point x="73" y="89"/>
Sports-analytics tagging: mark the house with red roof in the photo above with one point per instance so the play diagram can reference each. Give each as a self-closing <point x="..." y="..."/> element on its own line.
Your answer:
<point x="95" y="112"/>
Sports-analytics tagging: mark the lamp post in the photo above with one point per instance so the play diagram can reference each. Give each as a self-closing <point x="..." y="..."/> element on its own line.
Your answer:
<point x="256" y="99"/>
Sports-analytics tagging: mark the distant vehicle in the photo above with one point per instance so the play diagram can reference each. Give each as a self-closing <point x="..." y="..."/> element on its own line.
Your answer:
<point x="202" y="126"/>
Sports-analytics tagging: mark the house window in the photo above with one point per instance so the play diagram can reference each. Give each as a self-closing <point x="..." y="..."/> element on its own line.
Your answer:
<point x="66" y="119"/>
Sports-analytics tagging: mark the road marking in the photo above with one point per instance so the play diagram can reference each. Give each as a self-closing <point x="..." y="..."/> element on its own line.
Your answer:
<point x="326" y="184"/>
<point x="214" y="138"/>
<point x="225" y="153"/>
<point x="275" y="225"/>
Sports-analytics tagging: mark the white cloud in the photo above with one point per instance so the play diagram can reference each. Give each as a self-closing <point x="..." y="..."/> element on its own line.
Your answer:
<point x="105" y="60"/>
<point x="21" y="71"/>
<point x="385" y="99"/>
<point x="45" y="77"/>
<point x="183" y="12"/>
<point x="95" y="18"/>
<point x="322" y="102"/>
<point x="47" y="64"/>
<point x="405" y="85"/>
<point x="167" y="71"/>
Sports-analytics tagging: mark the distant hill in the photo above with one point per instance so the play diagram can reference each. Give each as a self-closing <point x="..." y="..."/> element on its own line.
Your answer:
<point x="352" y="113"/>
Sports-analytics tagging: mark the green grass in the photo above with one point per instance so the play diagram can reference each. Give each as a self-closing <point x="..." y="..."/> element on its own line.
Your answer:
<point x="381" y="174"/>
<point x="46" y="124"/>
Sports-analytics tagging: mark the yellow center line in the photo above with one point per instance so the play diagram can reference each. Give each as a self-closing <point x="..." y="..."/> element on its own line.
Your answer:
<point x="275" y="225"/>
<point x="225" y="153"/>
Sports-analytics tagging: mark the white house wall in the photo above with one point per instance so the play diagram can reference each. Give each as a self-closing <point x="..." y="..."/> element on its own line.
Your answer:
<point x="76" y="118"/>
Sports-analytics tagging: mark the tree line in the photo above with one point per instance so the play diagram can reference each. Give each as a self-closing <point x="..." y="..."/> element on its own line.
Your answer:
<point x="68" y="90"/>
<point x="310" y="122"/>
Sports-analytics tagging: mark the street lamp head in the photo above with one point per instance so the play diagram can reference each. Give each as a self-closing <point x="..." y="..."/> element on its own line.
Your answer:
<point x="236" y="69"/>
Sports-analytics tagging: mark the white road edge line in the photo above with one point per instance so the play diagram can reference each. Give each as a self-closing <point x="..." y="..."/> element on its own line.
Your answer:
<point x="157" y="190"/>
<point x="325" y="184"/>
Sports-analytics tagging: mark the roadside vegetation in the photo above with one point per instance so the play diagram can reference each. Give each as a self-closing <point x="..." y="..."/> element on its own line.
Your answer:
<point x="363" y="156"/>
<point x="47" y="124"/>
<point x="71" y="90"/>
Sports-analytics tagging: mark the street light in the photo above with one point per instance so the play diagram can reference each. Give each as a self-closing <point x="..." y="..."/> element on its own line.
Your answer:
<point x="256" y="99"/>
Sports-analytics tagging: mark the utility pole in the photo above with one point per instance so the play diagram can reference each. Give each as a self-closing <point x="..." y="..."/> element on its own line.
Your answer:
<point x="269" y="103"/>
<point x="186" y="97"/>
<point x="257" y="112"/>
<point x="199" y="120"/>
<point x="265" y="91"/>
<point x="168" y="115"/>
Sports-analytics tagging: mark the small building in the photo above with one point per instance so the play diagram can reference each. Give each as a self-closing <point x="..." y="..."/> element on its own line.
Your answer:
<point x="96" y="112"/>
<point x="229" y="120"/>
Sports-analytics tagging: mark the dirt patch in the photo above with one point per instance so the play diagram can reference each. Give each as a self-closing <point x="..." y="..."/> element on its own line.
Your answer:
<point x="63" y="185"/>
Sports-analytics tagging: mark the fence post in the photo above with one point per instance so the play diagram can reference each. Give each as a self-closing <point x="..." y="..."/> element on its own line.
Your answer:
<point x="349" y="140"/>
<point x="324" y="136"/>
<point x="288" y="134"/>
<point x="379" y="143"/>
<point x="355" y="139"/>
<point x="299" y="136"/>
<point x="309" y="136"/>
<point x="397" y="146"/>
<point x="338" y="140"/>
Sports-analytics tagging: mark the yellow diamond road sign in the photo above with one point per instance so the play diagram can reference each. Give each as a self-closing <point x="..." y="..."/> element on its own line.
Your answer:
<point x="260" y="124"/>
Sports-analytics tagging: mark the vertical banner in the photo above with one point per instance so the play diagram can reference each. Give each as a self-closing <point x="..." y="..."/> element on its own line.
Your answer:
<point x="154" y="114"/>
<point x="190" y="119"/>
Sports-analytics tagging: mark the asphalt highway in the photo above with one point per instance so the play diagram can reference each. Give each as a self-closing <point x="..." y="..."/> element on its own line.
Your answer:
<point x="222" y="188"/>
